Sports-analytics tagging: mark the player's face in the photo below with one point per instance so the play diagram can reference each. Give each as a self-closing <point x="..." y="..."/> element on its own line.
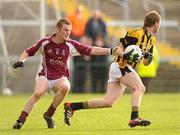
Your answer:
<point x="157" y="26"/>
<point x="64" y="31"/>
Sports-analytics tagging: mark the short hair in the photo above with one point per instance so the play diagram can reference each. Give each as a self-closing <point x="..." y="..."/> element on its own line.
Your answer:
<point x="63" y="21"/>
<point x="151" y="18"/>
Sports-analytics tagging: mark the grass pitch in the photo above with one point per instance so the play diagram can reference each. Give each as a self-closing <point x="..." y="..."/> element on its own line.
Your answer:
<point x="162" y="109"/>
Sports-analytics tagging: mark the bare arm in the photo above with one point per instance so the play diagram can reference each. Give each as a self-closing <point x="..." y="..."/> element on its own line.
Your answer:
<point x="100" y="51"/>
<point x="21" y="61"/>
<point x="23" y="56"/>
<point x="107" y="51"/>
<point x="120" y="51"/>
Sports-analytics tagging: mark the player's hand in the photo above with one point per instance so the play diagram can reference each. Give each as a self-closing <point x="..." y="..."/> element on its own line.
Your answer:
<point x="113" y="50"/>
<point x="131" y="57"/>
<point x="18" y="64"/>
<point x="148" y="56"/>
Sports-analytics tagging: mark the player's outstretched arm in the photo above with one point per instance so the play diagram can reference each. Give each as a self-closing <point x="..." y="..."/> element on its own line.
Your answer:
<point x="21" y="61"/>
<point x="101" y="51"/>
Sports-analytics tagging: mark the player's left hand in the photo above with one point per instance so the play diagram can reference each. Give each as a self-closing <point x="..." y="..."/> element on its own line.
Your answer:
<point x="18" y="64"/>
<point x="148" y="56"/>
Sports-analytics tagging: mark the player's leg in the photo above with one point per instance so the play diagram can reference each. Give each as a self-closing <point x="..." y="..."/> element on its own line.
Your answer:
<point x="133" y="81"/>
<point x="114" y="91"/>
<point x="40" y="89"/>
<point x="61" y="88"/>
<point x="146" y="81"/>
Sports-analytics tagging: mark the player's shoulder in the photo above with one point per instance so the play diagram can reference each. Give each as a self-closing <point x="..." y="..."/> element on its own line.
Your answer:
<point x="133" y="31"/>
<point x="71" y="41"/>
<point x="47" y="38"/>
<point x="44" y="41"/>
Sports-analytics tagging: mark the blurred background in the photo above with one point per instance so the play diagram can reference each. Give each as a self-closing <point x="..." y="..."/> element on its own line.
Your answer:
<point x="23" y="22"/>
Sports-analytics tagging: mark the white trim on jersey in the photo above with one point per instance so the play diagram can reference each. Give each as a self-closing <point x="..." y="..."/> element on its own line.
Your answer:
<point x="73" y="51"/>
<point x="43" y="44"/>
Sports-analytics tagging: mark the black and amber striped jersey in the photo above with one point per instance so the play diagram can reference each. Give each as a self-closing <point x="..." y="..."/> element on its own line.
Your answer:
<point x="137" y="37"/>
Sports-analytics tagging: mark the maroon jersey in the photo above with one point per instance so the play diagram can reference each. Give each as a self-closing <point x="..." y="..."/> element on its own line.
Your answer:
<point x="55" y="56"/>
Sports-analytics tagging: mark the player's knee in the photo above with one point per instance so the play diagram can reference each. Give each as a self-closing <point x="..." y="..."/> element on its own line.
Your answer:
<point x="140" y="88"/>
<point x="64" y="89"/>
<point x="143" y="88"/>
<point x="108" y="103"/>
<point x="38" y="95"/>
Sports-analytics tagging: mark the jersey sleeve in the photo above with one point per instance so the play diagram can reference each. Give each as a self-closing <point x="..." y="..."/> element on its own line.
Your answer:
<point x="131" y="38"/>
<point x="134" y="33"/>
<point x="153" y="43"/>
<point x="34" y="48"/>
<point x="76" y="48"/>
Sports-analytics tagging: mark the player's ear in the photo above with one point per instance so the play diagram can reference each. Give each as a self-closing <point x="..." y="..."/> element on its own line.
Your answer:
<point x="57" y="29"/>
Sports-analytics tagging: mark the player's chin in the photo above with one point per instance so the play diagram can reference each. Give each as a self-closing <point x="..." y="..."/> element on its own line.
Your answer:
<point x="156" y="31"/>
<point x="66" y="37"/>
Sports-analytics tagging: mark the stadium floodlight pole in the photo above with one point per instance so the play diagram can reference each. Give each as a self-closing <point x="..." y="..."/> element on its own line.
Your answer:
<point x="5" y="90"/>
<point x="43" y="18"/>
<point x="26" y="8"/>
<point x="57" y="9"/>
<point x="42" y="22"/>
<point x="124" y="4"/>
<point x="96" y="4"/>
<point x="4" y="49"/>
<point x="6" y="63"/>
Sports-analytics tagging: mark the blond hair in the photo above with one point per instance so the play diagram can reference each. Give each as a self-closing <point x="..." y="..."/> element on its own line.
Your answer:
<point x="151" y="18"/>
<point x="63" y="21"/>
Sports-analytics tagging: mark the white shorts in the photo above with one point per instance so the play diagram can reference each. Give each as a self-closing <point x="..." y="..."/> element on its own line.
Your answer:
<point x="52" y="82"/>
<point x="115" y="73"/>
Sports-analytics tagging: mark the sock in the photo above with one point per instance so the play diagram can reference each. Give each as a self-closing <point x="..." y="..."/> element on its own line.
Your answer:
<point x="79" y="105"/>
<point x="50" y="111"/>
<point x="134" y="113"/>
<point x="23" y="116"/>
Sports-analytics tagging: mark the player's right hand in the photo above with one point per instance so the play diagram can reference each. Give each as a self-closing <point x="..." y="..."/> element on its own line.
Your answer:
<point x="18" y="64"/>
<point x="130" y="56"/>
<point x="113" y="50"/>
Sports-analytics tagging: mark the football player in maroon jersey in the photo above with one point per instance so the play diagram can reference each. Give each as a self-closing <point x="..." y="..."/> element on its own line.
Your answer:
<point x="54" y="73"/>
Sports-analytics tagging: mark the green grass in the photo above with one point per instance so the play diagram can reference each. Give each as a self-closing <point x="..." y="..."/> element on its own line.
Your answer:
<point x="162" y="109"/>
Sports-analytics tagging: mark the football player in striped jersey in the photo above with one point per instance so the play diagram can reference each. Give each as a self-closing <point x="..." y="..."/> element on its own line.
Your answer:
<point x="122" y="72"/>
